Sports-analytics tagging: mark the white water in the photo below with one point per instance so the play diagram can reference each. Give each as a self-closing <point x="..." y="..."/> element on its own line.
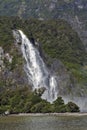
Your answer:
<point x="36" y="70"/>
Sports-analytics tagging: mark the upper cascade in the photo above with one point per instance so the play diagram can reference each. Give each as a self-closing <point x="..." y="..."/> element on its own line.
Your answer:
<point x="35" y="68"/>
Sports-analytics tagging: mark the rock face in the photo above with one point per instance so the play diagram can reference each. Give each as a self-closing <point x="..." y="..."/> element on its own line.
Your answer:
<point x="4" y="57"/>
<point x="42" y="9"/>
<point x="74" y="11"/>
<point x="1" y="59"/>
<point x="9" y="78"/>
<point x="64" y="81"/>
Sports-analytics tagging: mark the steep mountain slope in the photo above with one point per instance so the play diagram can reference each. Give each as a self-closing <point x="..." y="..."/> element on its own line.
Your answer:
<point x="74" y="11"/>
<point x="42" y="9"/>
<point x="62" y="51"/>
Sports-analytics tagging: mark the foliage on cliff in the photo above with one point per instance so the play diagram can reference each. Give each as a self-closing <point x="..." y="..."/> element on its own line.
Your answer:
<point x="57" y="40"/>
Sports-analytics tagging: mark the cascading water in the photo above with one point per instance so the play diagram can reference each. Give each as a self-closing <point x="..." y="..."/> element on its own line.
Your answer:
<point x="36" y="70"/>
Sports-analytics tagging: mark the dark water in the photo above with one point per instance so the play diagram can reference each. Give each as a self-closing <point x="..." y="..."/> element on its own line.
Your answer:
<point x="43" y="123"/>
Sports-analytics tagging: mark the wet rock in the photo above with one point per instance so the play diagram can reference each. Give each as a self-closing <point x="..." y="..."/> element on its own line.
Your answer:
<point x="17" y="37"/>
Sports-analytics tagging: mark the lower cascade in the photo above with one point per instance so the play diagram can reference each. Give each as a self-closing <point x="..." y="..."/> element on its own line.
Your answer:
<point x="35" y="68"/>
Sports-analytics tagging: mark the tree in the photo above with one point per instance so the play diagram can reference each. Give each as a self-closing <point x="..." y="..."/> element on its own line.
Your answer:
<point x="59" y="105"/>
<point x="37" y="108"/>
<point x="59" y="101"/>
<point x="72" y="107"/>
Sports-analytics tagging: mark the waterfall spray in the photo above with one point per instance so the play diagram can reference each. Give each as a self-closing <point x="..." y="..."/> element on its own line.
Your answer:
<point x="35" y="68"/>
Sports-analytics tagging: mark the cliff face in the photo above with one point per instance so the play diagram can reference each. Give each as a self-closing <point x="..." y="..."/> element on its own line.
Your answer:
<point x="44" y="9"/>
<point x="60" y="47"/>
<point x="12" y="75"/>
<point x="74" y="11"/>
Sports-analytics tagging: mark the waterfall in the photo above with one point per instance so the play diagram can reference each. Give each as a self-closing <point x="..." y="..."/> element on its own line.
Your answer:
<point x="35" y="68"/>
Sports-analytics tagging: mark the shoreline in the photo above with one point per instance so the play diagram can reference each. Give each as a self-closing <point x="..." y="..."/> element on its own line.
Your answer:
<point x="48" y="114"/>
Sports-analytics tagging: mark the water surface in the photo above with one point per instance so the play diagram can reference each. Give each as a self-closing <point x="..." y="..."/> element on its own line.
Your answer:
<point x="43" y="123"/>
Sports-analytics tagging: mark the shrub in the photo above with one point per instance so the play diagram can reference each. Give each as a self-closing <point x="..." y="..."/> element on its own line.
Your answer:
<point x="27" y="107"/>
<point x="59" y="101"/>
<point x="42" y="107"/>
<point x="59" y="105"/>
<point x="72" y="107"/>
<point x="37" y="108"/>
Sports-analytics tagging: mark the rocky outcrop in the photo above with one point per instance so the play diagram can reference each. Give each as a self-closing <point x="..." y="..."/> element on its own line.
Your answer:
<point x="10" y="78"/>
<point x="4" y="57"/>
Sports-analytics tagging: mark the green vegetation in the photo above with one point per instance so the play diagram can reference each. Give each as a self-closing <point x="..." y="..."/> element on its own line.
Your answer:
<point x="24" y="101"/>
<point x="57" y="38"/>
<point x="72" y="107"/>
<point x="59" y="105"/>
<point x="58" y="41"/>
